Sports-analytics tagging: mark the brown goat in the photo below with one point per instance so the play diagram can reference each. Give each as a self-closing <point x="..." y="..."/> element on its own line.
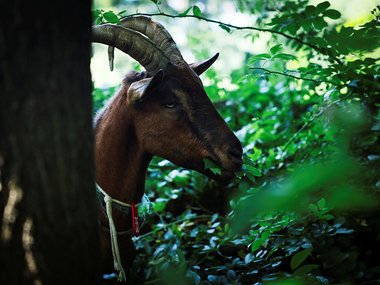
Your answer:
<point x="163" y="111"/>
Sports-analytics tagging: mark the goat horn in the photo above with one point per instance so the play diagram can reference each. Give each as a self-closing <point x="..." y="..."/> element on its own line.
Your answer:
<point x="138" y="46"/>
<point x="156" y="33"/>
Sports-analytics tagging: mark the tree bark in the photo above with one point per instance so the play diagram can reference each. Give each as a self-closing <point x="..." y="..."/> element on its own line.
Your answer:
<point x="48" y="212"/>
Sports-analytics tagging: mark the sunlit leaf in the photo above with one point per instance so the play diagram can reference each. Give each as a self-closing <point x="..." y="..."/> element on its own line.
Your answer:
<point x="284" y="56"/>
<point x="275" y="49"/>
<point x="196" y="11"/>
<point x="122" y="13"/>
<point x="95" y="14"/>
<point x="111" y="17"/>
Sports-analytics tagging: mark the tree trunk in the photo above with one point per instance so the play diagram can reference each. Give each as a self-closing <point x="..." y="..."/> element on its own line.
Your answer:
<point x="48" y="215"/>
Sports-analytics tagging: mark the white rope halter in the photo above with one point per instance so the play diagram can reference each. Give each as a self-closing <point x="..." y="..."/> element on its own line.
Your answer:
<point x="108" y="200"/>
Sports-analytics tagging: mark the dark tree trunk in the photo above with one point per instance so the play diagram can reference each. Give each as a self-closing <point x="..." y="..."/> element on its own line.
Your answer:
<point x="48" y="216"/>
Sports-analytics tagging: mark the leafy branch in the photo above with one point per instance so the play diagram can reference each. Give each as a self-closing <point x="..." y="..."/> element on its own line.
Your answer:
<point x="227" y="27"/>
<point x="267" y="71"/>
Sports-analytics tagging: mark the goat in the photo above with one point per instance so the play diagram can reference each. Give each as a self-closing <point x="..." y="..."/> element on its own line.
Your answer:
<point x="163" y="111"/>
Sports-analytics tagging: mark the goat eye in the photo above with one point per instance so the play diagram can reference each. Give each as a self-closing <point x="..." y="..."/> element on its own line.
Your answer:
<point x="170" y="105"/>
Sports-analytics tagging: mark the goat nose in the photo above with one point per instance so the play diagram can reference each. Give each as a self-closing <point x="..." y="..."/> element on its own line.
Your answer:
<point x="235" y="149"/>
<point x="235" y="153"/>
<point x="235" y="156"/>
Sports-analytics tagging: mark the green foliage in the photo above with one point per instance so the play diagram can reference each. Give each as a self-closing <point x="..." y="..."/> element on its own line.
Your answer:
<point x="101" y="17"/>
<point x="209" y="164"/>
<point x="304" y="208"/>
<point x="100" y="96"/>
<point x="196" y="11"/>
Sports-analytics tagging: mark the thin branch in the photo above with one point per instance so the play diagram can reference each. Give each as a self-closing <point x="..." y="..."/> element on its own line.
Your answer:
<point x="298" y="40"/>
<point x="296" y="77"/>
<point x="288" y="75"/>
<point x="306" y="124"/>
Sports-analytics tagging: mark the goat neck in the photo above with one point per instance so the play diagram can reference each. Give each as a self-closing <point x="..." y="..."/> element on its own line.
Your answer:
<point x="121" y="163"/>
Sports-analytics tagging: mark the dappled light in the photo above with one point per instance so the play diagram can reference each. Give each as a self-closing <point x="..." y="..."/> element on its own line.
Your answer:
<point x="27" y="241"/>
<point x="10" y="210"/>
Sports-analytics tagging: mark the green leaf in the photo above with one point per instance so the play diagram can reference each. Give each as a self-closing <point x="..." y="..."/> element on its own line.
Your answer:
<point x="322" y="204"/>
<point x="331" y="13"/>
<point x="249" y="167"/>
<point x="196" y="11"/>
<point x="159" y="206"/>
<point x="96" y="14"/>
<point x="322" y="6"/>
<point x="226" y="28"/>
<point x="122" y="13"/>
<point x="265" y="236"/>
<point x="184" y="13"/>
<point x="327" y="217"/>
<point x="299" y="257"/>
<point x="248" y="161"/>
<point x="256" y="154"/>
<point x="262" y="56"/>
<point x="111" y="17"/>
<point x="253" y="170"/>
<point x="258" y="57"/>
<point x="314" y="209"/>
<point x="216" y="170"/>
<point x="275" y="49"/>
<point x="307" y="26"/>
<point x="209" y="164"/>
<point x="319" y="23"/>
<point x="250" y="177"/>
<point x="285" y="56"/>
<point x="256" y="244"/>
<point x="310" y="11"/>
<point x="306" y="269"/>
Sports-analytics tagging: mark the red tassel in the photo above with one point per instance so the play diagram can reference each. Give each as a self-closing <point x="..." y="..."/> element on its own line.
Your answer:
<point x="135" y="220"/>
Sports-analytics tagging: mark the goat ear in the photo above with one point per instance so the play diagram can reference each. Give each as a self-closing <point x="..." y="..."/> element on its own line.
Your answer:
<point x="140" y="90"/>
<point x="202" y="66"/>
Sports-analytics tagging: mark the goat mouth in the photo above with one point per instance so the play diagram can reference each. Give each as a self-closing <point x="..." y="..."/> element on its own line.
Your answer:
<point x="224" y="174"/>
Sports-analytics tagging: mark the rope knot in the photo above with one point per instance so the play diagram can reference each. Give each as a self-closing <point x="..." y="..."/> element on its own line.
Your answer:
<point x="107" y="199"/>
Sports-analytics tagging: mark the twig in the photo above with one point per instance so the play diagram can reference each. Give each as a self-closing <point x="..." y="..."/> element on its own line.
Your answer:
<point x="306" y="124"/>
<point x="289" y="75"/>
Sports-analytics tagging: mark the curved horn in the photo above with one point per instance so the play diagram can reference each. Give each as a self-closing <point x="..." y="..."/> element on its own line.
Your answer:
<point x="156" y="33"/>
<point x="138" y="46"/>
